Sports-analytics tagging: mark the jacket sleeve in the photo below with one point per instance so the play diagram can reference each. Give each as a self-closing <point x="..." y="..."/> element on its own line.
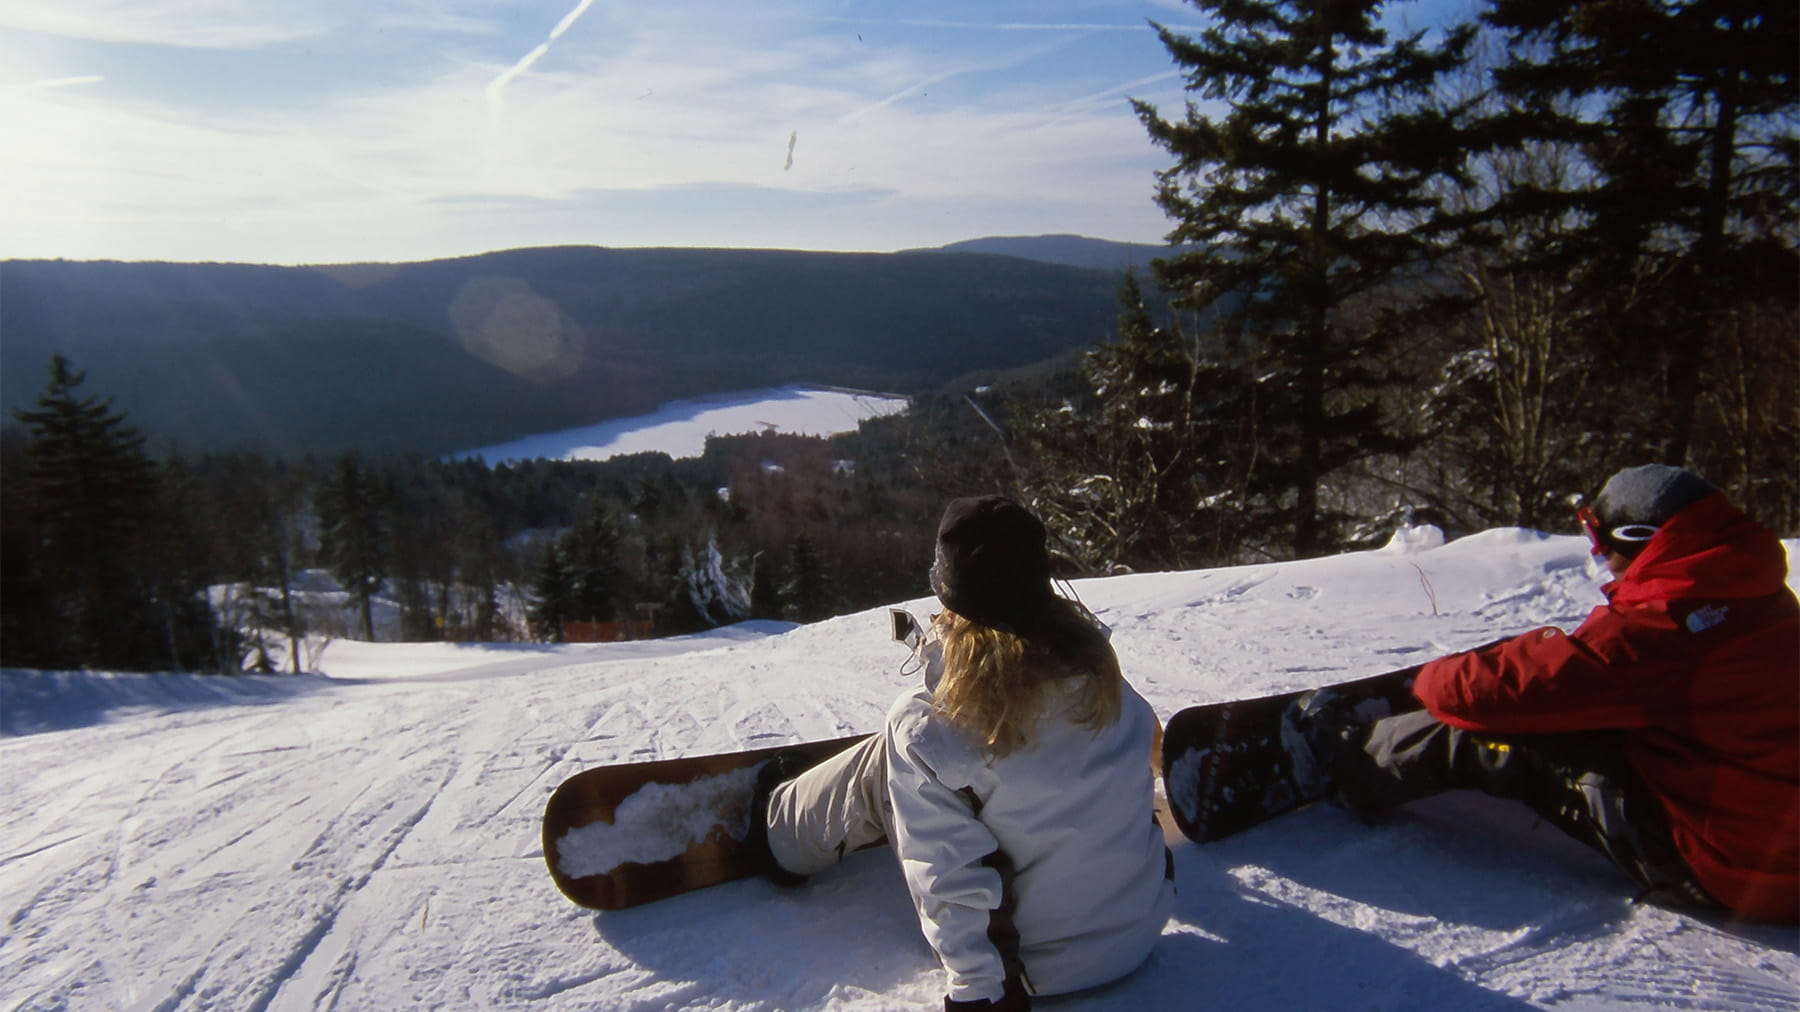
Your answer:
<point x="942" y="848"/>
<point x="1548" y="681"/>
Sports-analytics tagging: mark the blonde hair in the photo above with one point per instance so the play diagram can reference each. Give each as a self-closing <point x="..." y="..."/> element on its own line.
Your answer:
<point x="995" y="684"/>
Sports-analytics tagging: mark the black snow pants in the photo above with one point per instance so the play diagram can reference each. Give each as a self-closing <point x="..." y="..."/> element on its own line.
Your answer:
<point x="1580" y="783"/>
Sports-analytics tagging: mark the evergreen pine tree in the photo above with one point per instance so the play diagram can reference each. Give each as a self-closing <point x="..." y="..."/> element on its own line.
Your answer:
<point x="1290" y="200"/>
<point x="92" y="490"/>
<point x="553" y="594"/>
<point x="592" y="550"/>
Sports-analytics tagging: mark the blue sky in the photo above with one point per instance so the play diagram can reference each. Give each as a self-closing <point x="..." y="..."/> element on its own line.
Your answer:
<point x="331" y="131"/>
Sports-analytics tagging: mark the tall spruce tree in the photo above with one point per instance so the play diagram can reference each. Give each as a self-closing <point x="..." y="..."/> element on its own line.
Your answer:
<point x="1304" y="182"/>
<point x="553" y="595"/>
<point x="1685" y="113"/>
<point x="92" y="491"/>
<point x="593" y="548"/>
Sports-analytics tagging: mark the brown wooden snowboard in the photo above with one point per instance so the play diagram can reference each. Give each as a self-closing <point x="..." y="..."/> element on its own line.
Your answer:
<point x="621" y="836"/>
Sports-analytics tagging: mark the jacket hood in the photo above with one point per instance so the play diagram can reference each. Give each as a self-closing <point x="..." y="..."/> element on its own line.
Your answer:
<point x="1709" y="550"/>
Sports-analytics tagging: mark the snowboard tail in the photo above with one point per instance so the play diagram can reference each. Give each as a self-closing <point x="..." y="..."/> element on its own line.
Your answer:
<point x="624" y="835"/>
<point x="1225" y="768"/>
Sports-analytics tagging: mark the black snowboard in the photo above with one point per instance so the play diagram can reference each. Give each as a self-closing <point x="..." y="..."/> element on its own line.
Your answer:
<point x="1225" y="766"/>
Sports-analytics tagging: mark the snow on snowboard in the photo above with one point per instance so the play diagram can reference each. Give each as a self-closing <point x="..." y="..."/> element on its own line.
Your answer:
<point x="1225" y="765"/>
<point x="621" y="836"/>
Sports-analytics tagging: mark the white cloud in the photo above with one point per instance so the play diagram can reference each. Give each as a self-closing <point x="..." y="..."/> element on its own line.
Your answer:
<point x="205" y="24"/>
<point x="64" y="82"/>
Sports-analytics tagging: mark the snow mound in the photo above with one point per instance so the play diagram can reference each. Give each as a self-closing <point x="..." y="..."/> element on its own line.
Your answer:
<point x="1421" y="538"/>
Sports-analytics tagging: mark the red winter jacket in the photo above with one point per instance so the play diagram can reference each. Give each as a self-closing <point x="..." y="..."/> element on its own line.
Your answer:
<point x="1696" y="657"/>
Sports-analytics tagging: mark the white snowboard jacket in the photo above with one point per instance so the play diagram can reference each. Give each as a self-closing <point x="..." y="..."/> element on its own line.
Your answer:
<point x="1060" y="835"/>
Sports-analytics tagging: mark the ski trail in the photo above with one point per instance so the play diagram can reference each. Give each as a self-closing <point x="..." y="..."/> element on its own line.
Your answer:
<point x="419" y="800"/>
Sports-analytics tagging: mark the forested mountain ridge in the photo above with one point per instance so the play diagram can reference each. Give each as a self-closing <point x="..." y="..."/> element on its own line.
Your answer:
<point x="438" y="356"/>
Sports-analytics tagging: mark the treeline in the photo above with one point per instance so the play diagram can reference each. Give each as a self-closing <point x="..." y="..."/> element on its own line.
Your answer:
<point x="113" y="560"/>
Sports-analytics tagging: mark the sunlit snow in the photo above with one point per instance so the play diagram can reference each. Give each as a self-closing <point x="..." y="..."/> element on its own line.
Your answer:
<point x="368" y="836"/>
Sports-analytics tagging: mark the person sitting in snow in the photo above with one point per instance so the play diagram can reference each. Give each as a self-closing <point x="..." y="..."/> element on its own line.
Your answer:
<point x="1013" y="785"/>
<point x="1663" y="731"/>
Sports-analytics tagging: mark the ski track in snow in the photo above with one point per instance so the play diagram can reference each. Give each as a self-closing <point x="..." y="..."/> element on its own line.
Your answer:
<point x="370" y="840"/>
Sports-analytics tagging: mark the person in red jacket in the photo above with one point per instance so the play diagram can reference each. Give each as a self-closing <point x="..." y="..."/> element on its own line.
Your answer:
<point x="1664" y="731"/>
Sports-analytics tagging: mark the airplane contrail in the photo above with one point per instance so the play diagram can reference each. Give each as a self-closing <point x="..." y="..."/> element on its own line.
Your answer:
<point x="498" y="85"/>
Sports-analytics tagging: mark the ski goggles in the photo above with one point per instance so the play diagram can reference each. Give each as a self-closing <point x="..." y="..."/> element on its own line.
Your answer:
<point x="1625" y="539"/>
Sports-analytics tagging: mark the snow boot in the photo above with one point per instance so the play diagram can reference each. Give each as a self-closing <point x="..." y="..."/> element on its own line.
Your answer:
<point x="778" y="769"/>
<point x="1317" y="730"/>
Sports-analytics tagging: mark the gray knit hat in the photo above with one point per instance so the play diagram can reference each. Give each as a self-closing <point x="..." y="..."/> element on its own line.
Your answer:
<point x="1638" y="500"/>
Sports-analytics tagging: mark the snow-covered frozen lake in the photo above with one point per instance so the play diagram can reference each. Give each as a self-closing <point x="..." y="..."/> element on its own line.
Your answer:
<point x="680" y="428"/>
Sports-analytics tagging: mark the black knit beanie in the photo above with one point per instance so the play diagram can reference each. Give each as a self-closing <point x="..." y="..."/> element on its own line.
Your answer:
<point x="1638" y="500"/>
<point x="992" y="565"/>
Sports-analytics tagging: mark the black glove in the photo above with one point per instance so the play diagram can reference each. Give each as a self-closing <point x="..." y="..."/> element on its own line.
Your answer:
<point x="1014" y="1000"/>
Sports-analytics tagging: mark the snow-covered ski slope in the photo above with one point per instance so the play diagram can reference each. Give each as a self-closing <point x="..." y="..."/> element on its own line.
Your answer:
<point x="367" y="838"/>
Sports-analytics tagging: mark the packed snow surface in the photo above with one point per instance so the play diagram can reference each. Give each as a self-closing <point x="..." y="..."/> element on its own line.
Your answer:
<point x="680" y="428"/>
<point x="367" y="837"/>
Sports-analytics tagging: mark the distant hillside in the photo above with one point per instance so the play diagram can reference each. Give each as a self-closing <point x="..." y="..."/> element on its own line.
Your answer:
<point x="1069" y="250"/>
<point x="437" y="356"/>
